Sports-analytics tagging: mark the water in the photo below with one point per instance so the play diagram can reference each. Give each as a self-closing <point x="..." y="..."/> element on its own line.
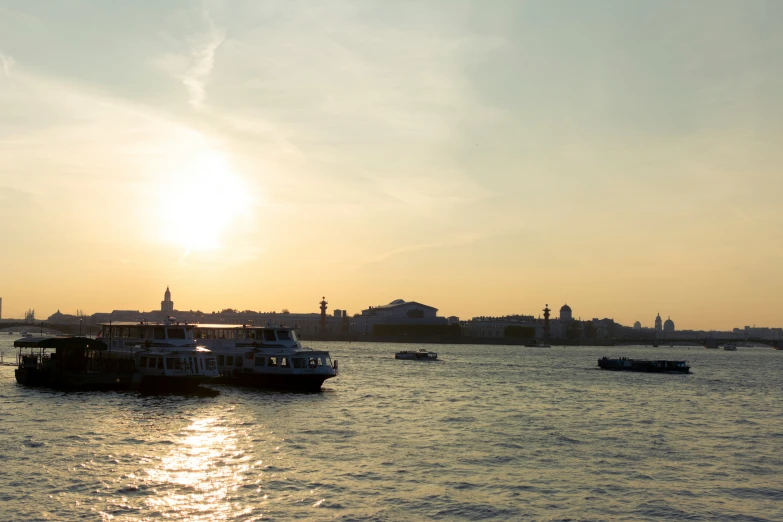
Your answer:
<point x="489" y="433"/>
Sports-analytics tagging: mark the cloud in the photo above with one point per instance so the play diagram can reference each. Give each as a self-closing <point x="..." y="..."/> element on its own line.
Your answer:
<point x="6" y="62"/>
<point x="203" y="56"/>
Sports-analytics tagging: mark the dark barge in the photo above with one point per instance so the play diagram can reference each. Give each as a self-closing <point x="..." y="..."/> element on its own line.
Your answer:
<point x="623" y="364"/>
<point x="73" y="363"/>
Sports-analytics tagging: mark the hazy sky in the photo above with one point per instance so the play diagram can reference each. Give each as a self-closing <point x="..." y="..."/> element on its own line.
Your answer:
<point x="481" y="157"/>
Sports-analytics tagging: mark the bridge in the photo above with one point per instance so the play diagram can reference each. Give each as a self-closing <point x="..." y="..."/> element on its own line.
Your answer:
<point x="712" y="342"/>
<point x="48" y="328"/>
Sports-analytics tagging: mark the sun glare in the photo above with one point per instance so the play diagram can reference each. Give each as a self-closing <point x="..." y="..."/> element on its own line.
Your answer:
<point x="201" y="201"/>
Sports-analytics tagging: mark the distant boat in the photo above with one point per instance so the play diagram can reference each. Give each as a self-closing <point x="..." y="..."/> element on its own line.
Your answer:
<point x="730" y="347"/>
<point x="421" y="355"/>
<point x="623" y="364"/>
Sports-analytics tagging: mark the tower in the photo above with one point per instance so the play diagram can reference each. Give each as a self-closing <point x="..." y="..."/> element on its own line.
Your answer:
<point x="323" y="314"/>
<point x="167" y="305"/>
<point x="546" y="321"/>
<point x="658" y="325"/>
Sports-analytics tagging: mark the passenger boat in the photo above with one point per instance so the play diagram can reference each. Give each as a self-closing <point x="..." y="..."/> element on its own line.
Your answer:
<point x="421" y="355"/>
<point x="77" y="363"/>
<point x="730" y="347"/>
<point x="82" y="363"/>
<point x="257" y="356"/>
<point x="641" y="365"/>
<point x="166" y="360"/>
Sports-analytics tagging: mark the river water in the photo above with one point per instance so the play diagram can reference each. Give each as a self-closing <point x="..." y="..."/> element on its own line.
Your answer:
<point x="488" y="433"/>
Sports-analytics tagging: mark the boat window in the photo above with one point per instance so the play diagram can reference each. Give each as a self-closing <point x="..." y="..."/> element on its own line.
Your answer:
<point x="269" y="335"/>
<point x="259" y="361"/>
<point x="151" y="362"/>
<point x="284" y="362"/>
<point x="158" y="333"/>
<point x="143" y="362"/>
<point x="229" y="360"/>
<point x="201" y="362"/>
<point x="251" y="334"/>
<point x="220" y="334"/>
<point x="320" y="361"/>
<point x="298" y="362"/>
<point x="176" y="333"/>
<point x="172" y="363"/>
<point x="284" y="335"/>
<point x="238" y="360"/>
<point x="241" y="334"/>
<point x="293" y="335"/>
<point x="220" y="360"/>
<point x="231" y="334"/>
<point x="211" y="364"/>
<point x="160" y="363"/>
<point x="328" y="360"/>
<point x="272" y="362"/>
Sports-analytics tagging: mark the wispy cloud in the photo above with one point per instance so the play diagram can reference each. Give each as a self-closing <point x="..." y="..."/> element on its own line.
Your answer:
<point x="203" y="61"/>
<point x="6" y="62"/>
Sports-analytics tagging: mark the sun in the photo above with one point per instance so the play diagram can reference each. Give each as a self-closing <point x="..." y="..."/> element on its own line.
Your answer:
<point x="200" y="201"/>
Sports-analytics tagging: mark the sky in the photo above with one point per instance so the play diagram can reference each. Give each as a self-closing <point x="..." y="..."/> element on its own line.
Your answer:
<point x="484" y="158"/>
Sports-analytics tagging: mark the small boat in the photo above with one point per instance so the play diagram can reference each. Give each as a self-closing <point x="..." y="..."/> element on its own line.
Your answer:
<point x="421" y="355"/>
<point x="623" y="364"/>
<point x="536" y="344"/>
<point x="730" y="347"/>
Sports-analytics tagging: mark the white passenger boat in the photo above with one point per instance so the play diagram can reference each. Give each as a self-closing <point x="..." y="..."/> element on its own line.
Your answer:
<point x="421" y="355"/>
<point x="258" y="356"/>
<point x="166" y="360"/>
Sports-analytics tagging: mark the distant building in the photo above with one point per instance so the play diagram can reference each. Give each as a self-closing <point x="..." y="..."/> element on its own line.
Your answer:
<point x="565" y="313"/>
<point x="167" y="305"/>
<point x="637" y="325"/>
<point x="658" y="324"/>
<point x="510" y="326"/>
<point x="398" y="313"/>
<point x="668" y="326"/>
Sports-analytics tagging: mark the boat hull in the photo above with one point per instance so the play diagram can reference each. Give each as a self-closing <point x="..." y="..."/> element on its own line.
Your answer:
<point x="172" y="384"/>
<point x="631" y="365"/>
<point x="75" y="381"/>
<point x="310" y="382"/>
<point x="416" y="356"/>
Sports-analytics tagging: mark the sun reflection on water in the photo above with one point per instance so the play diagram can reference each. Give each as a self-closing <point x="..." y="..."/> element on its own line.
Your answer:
<point x="196" y="479"/>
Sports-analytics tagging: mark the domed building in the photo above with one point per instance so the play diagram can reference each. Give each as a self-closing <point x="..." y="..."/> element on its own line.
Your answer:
<point x="565" y="313"/>
<point x="668" y="326"/>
